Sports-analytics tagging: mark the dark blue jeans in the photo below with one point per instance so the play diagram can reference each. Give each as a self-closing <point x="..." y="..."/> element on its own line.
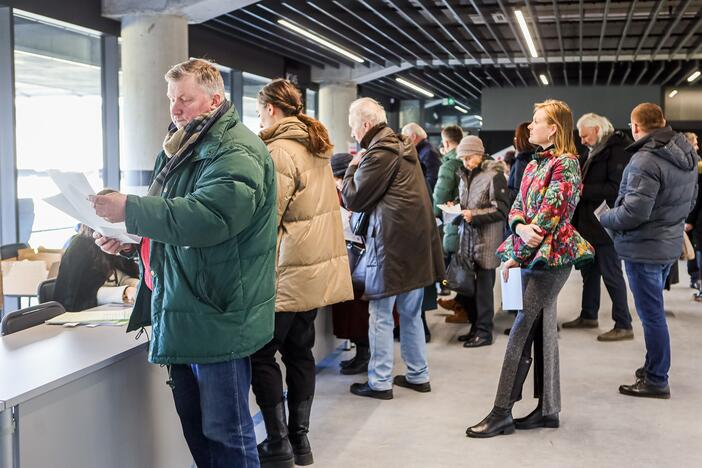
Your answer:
<point x="212" y="401"/>
<point x="646" y="281"/>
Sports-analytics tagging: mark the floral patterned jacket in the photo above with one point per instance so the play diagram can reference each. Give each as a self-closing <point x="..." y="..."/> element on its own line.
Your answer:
<point x="548" y="195"/>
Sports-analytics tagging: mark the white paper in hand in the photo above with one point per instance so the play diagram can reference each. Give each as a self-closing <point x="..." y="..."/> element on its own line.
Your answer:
<point x="512" y="297"/>
<point x="603" y="208"/>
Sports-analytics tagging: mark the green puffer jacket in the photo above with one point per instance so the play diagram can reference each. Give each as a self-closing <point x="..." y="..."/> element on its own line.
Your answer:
<point x="213" y="236"/>
<point x="446" y="189"/>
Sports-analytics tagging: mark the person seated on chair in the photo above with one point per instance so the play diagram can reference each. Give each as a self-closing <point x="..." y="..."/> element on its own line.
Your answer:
<point x="89" y="277"/>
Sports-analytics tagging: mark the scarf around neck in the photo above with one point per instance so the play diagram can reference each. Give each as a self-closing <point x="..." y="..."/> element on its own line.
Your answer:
<point x="179" y="141"/>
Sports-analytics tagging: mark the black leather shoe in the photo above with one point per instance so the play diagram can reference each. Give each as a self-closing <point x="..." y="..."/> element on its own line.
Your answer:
<point x="536" y="419"/>
<point x="359" y="364"/>
<point x="478" y="341"/>
<point x="362" y="389"/>
<point x="401" y="381"/>
<point x="468" y="336"/>
<point x="640" y="373"/>
<point x="499" y="421"/>
<point x="643" y="389"/>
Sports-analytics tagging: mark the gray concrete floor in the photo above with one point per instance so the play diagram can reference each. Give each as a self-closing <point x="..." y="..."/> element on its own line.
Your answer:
<point x="599" y="427"/>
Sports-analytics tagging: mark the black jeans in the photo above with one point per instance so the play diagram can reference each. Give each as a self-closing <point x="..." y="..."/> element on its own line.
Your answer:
<point x="294" y="339"/>
<point x="481" y="307"/>
<point x="607" y="266"/>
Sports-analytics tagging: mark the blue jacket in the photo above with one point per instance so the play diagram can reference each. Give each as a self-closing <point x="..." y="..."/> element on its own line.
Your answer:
<point x="431" y="159"/>
<point x="658" y="190"/>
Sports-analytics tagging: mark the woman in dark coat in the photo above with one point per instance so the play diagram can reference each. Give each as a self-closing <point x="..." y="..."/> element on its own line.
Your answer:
<point x="525" y="152"/>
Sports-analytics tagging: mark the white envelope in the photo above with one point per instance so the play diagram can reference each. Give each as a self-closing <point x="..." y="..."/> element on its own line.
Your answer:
<point x="512" y="290"/>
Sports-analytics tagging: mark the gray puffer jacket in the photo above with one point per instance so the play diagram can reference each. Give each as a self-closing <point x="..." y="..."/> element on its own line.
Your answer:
<point x="484" y="192"/>
<point x="658" y="190"/>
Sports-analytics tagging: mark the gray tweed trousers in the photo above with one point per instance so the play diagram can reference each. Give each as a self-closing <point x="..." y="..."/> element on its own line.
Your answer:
<point x="535" y="324"/>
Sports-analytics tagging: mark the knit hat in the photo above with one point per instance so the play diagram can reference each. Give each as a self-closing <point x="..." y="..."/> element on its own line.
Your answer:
<point x="339" y="163"/>
<point x="470" y="144"/>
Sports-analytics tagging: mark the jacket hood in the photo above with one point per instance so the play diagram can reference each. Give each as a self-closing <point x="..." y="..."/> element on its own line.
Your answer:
<point x="669" y="145"/>
<point x="491" y="165"/>
<point x="290" y="128"/>
<point x="383" y="137"/>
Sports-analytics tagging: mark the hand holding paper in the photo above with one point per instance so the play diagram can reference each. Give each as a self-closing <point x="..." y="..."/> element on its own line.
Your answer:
<point x="110" y="207"/>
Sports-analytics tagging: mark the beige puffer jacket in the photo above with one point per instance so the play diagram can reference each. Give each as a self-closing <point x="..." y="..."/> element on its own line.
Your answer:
<point x="313" y="266"/>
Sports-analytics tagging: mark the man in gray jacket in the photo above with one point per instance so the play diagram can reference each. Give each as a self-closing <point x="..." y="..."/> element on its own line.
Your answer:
<point x="657" y="192"/>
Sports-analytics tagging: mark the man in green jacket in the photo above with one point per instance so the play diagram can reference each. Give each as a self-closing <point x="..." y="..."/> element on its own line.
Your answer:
<point x="208" y="228"/>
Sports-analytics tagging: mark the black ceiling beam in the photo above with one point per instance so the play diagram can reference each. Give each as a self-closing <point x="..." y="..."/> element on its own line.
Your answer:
<point x="377" y="27"/>
<point x="520" y="76"/>
<point x="599" y="45"/>
<point x="692" y="29"/>
<point x="249" y="38"/>
<point x="433" y="12"/>
<point x="557" y="14"/>
<point x="688" y="71"/>
<point x="611" y="73"/>
<point x="354" y="26"/>
<point x="386" y="90"/>
<point x="642" y="74"/>
<point x="265" y="34"/>
<point x="537" y="32"/>
<point x="655" y="76"/>
<point x="477" y="9"/>
<point x="627" y="25"/>
<point x="672" y="74"/>
<point x="465" y="90"/>
<point x="580" y="67"/>
<point x="465" y="27"/>
<point x="504" y="75"/>
<point x="626" y="74"/>
<point x="408" y="17"/>
<point x="492" y="78"/>
<point x="465" y="80"/>
<point x="669" y="29"/>
<point x="438" y="87"/>
<point x="290" y="13"/>
<point x="649" y="27"/>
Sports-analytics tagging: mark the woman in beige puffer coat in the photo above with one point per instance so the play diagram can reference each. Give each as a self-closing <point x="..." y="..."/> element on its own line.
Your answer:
<point x="312" y="269"/>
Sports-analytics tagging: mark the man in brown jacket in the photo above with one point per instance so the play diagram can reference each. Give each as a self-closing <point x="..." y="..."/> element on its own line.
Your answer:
<point x="403" y="250"/>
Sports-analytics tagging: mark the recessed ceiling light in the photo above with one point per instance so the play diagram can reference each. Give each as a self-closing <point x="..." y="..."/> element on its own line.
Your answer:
<point x="460" y="109"/>
<point x="320" y="40"/>
<point x="694" y="76"/>
<point x="673" y="93"/>
<point x="410" y="85"/>
<point x="525" y="32"/>
<point x="543" y="79"/>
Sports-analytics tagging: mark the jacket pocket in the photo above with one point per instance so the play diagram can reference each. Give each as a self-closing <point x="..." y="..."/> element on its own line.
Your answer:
<point x="205" y="295"/>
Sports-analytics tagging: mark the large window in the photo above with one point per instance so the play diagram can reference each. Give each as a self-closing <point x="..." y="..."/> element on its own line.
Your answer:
<point x="252" y="85"/>
<point x="58" y="120"/>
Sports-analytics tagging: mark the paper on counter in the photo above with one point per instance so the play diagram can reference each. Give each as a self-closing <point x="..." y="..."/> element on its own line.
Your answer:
<point x="73" y="200"/>
<point x="346" y="223"/>
<point x="512" y="290"/>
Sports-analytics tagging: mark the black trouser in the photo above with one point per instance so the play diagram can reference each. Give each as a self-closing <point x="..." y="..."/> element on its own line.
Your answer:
<point x="607" y="266"/>
<point x="294" y="339"/>
<point x="481" y="307"/>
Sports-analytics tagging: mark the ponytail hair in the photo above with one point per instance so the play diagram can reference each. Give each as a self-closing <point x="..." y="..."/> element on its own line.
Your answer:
<point x="284" y="95"/>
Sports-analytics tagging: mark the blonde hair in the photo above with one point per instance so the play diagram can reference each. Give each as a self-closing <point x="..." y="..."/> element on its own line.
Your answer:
<point x="558" y="113"/>
<point x="413" y="129"/>
<point x="206" y="75"/>
<point x="596" y="121"/>
<point x="691" y="137"/>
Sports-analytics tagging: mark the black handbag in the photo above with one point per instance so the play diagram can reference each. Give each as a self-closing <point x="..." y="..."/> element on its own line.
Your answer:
<point x="359" y="223"/>
<point x="460" y="274"/>
<point x="357" y="262"/>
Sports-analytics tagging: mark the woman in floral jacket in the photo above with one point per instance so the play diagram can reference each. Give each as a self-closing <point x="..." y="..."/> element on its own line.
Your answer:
<point x="545" y="245"/>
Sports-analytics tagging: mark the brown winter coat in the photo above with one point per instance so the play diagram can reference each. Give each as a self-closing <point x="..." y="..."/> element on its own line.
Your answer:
<point x="313" y="266"/>
<point x="402" y="241"/>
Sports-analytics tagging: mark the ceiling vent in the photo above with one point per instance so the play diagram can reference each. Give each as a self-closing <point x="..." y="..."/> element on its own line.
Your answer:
<point x="476" y="19"/>
<point x="499" y="18"/>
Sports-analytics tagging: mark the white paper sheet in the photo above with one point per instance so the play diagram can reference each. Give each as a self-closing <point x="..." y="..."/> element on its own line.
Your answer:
<point x="512" y="290"/>
<point x="453" y="209"/>
<point x="603" y="208"/>
<point x="346" y="223"/>
<point x="73" y="200"/>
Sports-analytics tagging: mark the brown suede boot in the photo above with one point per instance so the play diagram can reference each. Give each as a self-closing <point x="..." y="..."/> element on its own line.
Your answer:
<point x="460" y="316"/>
<point x="448" y="304"/>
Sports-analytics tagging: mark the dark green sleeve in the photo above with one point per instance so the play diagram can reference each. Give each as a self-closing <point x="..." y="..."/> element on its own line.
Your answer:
<point x="221" y="206"/>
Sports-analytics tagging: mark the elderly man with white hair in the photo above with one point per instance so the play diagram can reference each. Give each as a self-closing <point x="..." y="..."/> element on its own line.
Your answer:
<point x="601" y="175"/>
<point x="403" y="249"/>
<point x="428" y="155"/>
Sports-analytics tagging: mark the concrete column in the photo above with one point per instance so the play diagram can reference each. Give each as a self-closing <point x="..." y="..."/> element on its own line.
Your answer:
<point x="151" y="44"/>
<point x="334" y="101"/>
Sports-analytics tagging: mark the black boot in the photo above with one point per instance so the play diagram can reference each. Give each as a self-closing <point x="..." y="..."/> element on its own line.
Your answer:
<point x="299" y="426"/>
<point x="537" y="419"/>
<point x="499" y="421"/>
<point x="359" y="364"/>
<point x="275" y="451"/>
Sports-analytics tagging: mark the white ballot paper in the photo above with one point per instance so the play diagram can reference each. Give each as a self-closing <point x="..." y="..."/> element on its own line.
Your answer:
<point x="449" y="212"/>
<point x="346" y="223"/>
<point x="599" y="211"/>
<point x="73" y="200"/>
<point x="512" y="290"/>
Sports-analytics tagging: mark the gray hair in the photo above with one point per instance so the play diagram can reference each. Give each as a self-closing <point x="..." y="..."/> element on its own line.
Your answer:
<point x="206" y="75"/>
<point x="413" y="129"/>
<point x="596" y="121"/>
<point x="366" y="110"/>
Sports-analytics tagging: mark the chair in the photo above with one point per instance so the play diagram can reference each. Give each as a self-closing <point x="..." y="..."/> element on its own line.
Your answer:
<point x="45" y="291"/>
<point x="31" y="316"/>
<point x="11" y="250"/>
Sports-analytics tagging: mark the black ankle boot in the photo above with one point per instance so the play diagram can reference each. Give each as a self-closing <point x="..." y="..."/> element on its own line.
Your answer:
<point x="537" y="419"/>
<point x="499" y="421"/>
<point x="275" y="451"/>
<point x="359" y="364"/>
<point x="298" y="427"/>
